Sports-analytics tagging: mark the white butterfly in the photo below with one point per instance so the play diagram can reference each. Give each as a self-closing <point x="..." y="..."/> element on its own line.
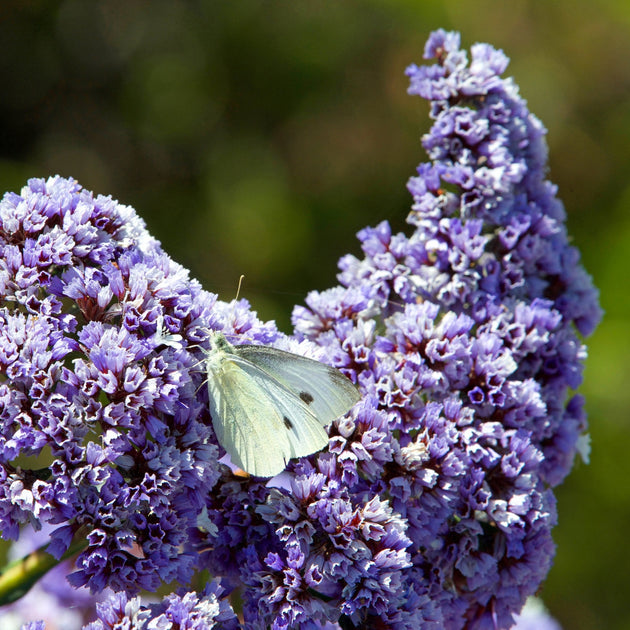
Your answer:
<point x="268" y="405"/>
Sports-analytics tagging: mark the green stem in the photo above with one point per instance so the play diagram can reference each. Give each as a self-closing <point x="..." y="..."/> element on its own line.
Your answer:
<point x="17" y="578"/>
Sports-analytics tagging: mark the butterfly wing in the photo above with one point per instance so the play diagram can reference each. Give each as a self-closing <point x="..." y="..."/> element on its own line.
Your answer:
<point x="259" y="422"/>
<point x="324" y="389"/>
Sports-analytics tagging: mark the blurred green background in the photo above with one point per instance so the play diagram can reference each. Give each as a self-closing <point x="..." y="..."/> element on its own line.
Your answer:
<point x="257" y="137"/>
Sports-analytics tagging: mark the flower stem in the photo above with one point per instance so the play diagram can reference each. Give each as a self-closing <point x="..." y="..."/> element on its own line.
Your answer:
<point x="17" y="578"/>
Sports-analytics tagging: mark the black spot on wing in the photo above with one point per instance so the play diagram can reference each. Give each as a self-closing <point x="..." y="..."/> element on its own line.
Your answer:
<point x="306" y="397"/>
<point x="287" y="423"/>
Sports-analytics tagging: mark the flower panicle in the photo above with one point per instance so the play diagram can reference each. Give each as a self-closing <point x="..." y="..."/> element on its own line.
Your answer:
<point x="99" y="388"/>
<point x="466" y="337"/>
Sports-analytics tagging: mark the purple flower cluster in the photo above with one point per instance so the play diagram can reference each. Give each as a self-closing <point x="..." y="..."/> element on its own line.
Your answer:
<point x="186" y="611"/>
<point x="464" y="338"/>
<point x="101" y="430"/>
<point x="432" y="506"/>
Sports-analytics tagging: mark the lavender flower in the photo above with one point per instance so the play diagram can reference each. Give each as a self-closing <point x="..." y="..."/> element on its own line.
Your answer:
<point x="120" y="445"/>
<point x="432" y="506"/>
<point x="187" y="611"/>
<point x="464" y="338"/>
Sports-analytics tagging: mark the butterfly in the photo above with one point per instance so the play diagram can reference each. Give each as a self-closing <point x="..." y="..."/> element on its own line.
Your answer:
<point x="268" y="405"/>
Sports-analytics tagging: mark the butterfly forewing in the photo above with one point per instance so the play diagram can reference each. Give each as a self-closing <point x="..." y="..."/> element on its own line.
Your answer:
<point x="324" y="389"/>
<point x="292" y="416"/>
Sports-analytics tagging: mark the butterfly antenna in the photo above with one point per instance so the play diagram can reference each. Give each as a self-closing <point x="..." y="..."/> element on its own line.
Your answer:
<point x="238" y="289"/>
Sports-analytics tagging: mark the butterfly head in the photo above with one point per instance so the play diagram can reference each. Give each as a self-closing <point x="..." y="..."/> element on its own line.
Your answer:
<point x="218" y="342"/>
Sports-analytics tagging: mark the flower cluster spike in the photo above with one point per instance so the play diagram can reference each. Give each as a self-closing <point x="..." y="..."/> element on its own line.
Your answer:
<point x="465" y="337"/>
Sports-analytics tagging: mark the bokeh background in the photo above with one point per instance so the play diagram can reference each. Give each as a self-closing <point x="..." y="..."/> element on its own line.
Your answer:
<point x="257" y="137"/>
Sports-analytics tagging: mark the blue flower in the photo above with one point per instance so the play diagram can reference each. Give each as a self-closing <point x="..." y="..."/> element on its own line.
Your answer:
<point x="474" y="348"/>
<point x="121" y="444"/>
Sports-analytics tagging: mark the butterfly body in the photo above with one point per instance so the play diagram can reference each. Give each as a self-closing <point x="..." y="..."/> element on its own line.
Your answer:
<point x="269" y="405"/>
